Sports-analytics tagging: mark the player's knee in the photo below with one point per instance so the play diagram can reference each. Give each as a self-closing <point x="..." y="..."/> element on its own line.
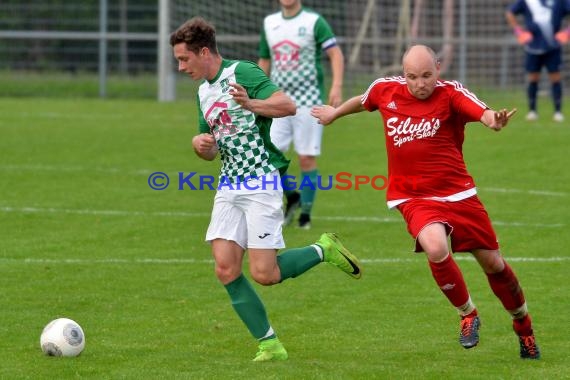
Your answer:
<point x="264" y="278"/>
<point x="227" y="273"/>
<point x="490" y="260"/>
<point x="435" y="249"/>
<point x="307" y="162"/>
<point x="436" y="254"/>
<point x="433" y="240"/>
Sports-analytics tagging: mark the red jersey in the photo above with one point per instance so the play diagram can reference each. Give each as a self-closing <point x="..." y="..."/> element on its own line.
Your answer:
<point x="424" y="138"/>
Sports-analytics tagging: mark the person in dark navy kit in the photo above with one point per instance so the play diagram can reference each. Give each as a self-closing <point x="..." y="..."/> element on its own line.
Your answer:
<point x="542" y="37"/>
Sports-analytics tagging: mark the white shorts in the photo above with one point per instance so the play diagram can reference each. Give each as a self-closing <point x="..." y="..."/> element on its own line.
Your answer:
<point x="251" y="218"/>
<point x="302" y="128"/>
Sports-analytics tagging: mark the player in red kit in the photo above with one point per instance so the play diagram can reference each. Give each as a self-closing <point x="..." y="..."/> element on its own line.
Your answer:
<point x="424" y="122"/>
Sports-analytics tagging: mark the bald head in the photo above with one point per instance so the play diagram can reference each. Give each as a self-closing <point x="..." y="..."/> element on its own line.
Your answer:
<point x="421" y="70"/>
<point x="419" y="52"/>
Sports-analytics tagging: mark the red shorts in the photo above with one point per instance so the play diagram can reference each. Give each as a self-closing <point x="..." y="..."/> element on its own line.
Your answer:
<point x="466" y="222"/>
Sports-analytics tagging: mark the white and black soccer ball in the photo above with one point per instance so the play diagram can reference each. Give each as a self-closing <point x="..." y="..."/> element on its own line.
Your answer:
<point x="62" y="337"/>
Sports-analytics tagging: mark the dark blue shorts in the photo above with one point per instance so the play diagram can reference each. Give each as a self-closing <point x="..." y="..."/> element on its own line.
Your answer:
<point x="552" y="60"/>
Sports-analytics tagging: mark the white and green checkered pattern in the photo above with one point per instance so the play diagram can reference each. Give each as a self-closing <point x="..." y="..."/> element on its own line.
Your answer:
<point x="301" y="83"/>
<point x="242" y="137"/>
<point x="244" y="155"/>
<point x="294" y="45"/>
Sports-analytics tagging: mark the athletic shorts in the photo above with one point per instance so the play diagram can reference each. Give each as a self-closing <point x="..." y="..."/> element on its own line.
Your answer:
<point x="251" y="218"/>
<point x="466" y="221"/>
<point x="552" y="60"/>
<point x="302" y="129"/>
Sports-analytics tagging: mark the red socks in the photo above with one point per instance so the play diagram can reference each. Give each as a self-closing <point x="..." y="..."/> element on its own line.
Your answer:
<point x="523" y="326"/>
<point x="448" y="277"/>
<point x="506" y="287"/>
<point x="504" y="284"/>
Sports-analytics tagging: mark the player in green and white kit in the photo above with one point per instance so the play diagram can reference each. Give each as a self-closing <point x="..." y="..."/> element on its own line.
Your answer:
<point x="290" y="49"/>
<point x="236" y="102"/>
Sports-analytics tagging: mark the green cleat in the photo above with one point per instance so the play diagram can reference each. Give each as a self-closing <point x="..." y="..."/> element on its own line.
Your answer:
<point x="336" y="254"/>
<point x="270" y="349"/>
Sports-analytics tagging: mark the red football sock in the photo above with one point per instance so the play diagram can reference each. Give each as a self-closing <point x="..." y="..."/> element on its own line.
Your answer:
<point x="523" y="326"/>
<point x="506" y="287"/>
<point x="450" y="280"/>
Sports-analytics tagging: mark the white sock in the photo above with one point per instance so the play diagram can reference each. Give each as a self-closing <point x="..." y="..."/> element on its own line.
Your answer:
<point x="467" y="308"/>
<point x="319" y="251"/>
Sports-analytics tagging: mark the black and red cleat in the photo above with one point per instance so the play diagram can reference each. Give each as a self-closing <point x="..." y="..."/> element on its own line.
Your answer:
<point x="469" y="334"/>
<point x="529" y="349"/>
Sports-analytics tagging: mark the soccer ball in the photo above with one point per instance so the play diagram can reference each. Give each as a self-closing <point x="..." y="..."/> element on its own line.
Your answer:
<point x="62" y="337"/>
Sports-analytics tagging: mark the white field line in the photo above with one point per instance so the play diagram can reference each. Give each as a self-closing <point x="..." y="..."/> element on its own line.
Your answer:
<point x="148" y="172"/>
<point x="51" y="210"/>
<point x="78" y="116"/>
<point x="545" y="193"/>
<point x="67" y="169"/>
<point x="182" y="214"/>
<point x="210" y="261"/>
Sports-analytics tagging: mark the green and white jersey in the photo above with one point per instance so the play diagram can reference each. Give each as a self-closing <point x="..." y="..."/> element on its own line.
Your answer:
<point x="242" y="137"/>
<point x="294" y="45"/>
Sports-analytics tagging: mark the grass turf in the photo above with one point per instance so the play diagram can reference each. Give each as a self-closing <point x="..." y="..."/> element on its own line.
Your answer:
<point x="83" y="236"/>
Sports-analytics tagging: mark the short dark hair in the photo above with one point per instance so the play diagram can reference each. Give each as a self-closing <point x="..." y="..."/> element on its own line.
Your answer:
<point x="196" y="33"/>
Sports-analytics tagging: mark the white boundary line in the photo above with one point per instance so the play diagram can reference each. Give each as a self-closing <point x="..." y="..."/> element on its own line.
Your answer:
<point x="530" y="192"/>
<point x="182" y="214"/>
<point x="210" y="261"/>
<point x="56" y="168"/>
<point x="51" y="210"/>
<point x="147" y="172"/>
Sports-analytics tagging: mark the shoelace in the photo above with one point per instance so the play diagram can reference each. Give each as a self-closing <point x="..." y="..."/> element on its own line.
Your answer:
<point x="529" y="344"/>
<point x="466" y="326"/>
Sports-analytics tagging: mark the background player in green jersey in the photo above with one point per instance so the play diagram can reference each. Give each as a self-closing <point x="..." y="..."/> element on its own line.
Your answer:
<point x="290" y="50"/>
<point x="236" y="102"/>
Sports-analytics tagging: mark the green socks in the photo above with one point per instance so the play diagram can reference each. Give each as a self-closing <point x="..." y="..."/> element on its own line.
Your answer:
<point x="296" y="261"/>
<point x="308" y="191"/>
<point x="247" y="303"/>
<point x="249" y="307"/>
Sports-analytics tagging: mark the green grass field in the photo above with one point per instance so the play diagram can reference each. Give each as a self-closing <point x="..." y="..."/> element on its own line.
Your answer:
<point x="83" y="236"/>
